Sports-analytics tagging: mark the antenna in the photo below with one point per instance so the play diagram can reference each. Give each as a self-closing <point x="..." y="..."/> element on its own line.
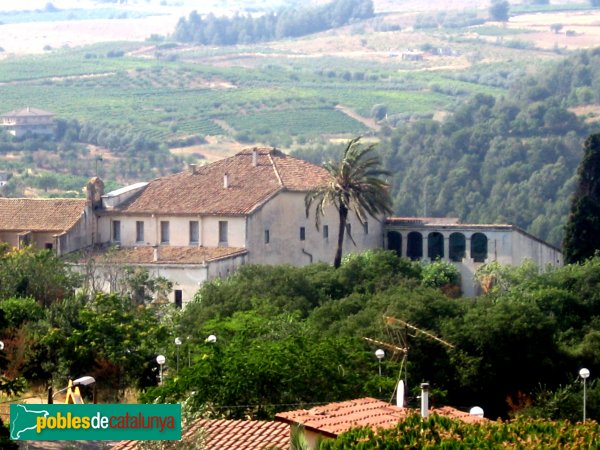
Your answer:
<point x="397" y="330"/>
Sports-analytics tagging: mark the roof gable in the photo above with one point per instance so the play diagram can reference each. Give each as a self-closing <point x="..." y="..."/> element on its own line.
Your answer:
<point x="232" y="186"/>
<point x="50" y="215"/>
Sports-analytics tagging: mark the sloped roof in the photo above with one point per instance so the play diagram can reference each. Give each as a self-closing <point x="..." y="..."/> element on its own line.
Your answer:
<point x="202" y="191"/>
<point x="27" y="112"/>
<point x="34" y="214"/>
<point x="167" y="255"/>
<point x="232" y="435"/>
<point x="336" y="418"/>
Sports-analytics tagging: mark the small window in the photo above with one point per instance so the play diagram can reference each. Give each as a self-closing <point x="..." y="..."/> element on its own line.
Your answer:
<point x="326" y="231"/>
<point x="223" y="231"/>
<point x="302" y="233"/>
<point x="267" y="237"/>
<point x="116" y="231"/>
<point x="139" y="231"/>
<point x="194" y="232"/>
<point x="178" y="298"/>
<point x="366" y="227"/>
<point x="48" y="246"/>
<point x="164" y="232"/>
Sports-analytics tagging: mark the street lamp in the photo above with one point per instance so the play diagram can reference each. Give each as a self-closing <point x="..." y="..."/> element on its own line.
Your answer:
<point x="380" y="354"/>
<point x="83" y="381"/>
<point x="177" y="344"/>
<point x="211" y="339"/>
<point x="160" y="359"/>
<point x="584" y="374"/>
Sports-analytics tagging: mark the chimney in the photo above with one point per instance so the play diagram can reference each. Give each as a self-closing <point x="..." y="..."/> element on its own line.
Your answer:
<point x="424" y="400"/>
<point x="192" y="168"/>
<point x="155" y="253"/>
<point x="255" y="157"/>
<point x="226" y="181"/>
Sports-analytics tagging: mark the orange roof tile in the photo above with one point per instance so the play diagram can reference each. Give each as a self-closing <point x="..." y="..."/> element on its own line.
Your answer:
<point x="232" y="435"/>
<point x="202" y="191"/>
<point x="336" y="418"/>
<point x="167" y="255"/>
<point x="49" y="214"/>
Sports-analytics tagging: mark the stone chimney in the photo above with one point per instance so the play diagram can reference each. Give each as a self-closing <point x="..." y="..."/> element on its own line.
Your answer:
<point x="94" y="192"/>
<point x="424" y="400"/>
<point x="192" y="168"/>
<point x="254" y="157"/>
<point x="226" y="180"/>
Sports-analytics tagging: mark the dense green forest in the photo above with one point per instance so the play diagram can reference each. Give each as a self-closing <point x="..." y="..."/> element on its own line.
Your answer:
<point x="289" y="337"/>
<point x="240" y="29"/>
<point x="511" y="159"/>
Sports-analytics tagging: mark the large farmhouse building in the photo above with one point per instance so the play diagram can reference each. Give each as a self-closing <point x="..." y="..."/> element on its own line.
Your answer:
<point x="28" y="120"/>
<point x="206" y="221"/>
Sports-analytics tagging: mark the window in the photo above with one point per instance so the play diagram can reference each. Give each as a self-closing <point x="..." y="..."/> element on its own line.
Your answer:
<point x="139" y="231"/>
<point x="194" y="232"/>
<point x="48" y="246"/>
<point x="222" y="231"/>
<point x="326" y="231"/>
<point x="116" y="231"/>
<point x="479" y="247"/>
<point x="178" y="298"/>
<point x="164" y="232"/>
<point x="302" y="233"/>
<point x="414" y="245"/>
<point x="366" y="227"/>
<point x="435" y="245"/>
<point x="267" y="237"/>
<point x="457" y="247"/>
<point x="394" y="240"/>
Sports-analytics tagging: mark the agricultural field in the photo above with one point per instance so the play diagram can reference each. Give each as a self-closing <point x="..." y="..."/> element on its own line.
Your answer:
<point x="307" y="90"/>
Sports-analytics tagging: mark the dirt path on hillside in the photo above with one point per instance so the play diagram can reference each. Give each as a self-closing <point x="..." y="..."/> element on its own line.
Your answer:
<point x="354" y="115"/>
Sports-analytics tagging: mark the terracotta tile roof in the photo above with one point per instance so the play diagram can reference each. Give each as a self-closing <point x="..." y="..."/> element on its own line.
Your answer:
<point x="29" y="214"/>
<point x="202" y="191"/>
<point x="336" y="418"/>
<point x="167" y="255"/>
<point x="232" y="435"/>
<point x="27" y="112"/>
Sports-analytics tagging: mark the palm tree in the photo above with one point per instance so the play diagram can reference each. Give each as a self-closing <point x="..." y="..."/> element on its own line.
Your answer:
<point x="354" y="185"/>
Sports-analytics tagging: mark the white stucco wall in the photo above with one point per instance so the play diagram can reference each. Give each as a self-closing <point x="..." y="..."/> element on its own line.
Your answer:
<point x="179" y="230"/>
<point x="505" y="244"/>
<point x="283" y="216"/>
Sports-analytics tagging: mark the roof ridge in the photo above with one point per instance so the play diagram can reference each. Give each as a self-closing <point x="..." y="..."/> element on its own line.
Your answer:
<point x="275" y="169"/>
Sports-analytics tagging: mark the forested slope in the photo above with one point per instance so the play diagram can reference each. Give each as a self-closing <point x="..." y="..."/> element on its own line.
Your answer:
<point x="511" y="159"/>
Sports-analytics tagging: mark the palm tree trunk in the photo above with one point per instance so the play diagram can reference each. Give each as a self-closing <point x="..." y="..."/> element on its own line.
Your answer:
<point x="343" y="212"/>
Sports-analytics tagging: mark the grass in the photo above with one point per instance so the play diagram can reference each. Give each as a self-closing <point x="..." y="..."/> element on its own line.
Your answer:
<point x="167" y="99"/>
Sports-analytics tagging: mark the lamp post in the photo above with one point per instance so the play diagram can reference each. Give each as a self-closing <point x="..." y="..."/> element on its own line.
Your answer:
<point x="379" y="353"/>
<point x="83" y="381"/>
<point x="177" y="344"/>
<point x="584" y="374"/>
<point x="189" y="351"/>
<point x="160" y="359"/>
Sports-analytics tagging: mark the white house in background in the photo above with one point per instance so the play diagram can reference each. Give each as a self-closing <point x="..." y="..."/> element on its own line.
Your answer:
<point x="207" y="221"/>
<point x="468" y="246"/>
<point x="28" y="120"/>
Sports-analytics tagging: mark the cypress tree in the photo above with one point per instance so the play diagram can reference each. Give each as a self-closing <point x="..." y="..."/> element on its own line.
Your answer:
<point x="582" y="232"/>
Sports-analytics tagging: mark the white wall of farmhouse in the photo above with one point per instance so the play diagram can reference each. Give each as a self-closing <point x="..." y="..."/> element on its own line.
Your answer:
<point x="178" y="230"/>
<point x="275" y="236"/>
<point x="468" y="247"/>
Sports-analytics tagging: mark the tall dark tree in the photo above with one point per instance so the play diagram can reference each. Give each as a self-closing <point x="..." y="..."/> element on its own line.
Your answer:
<point x="499" y="10"/>
<point x="582" y="232"/>
<point x="354" y="185"/>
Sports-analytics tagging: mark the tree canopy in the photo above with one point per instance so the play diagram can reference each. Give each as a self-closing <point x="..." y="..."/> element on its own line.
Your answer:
<point x="582" y="232"/>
